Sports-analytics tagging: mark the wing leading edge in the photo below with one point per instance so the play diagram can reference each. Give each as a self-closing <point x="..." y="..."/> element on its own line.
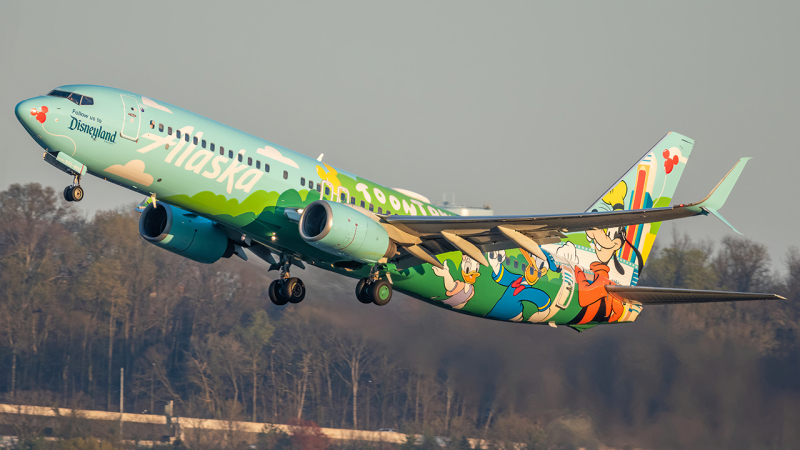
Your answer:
<point x="422" y="237"/>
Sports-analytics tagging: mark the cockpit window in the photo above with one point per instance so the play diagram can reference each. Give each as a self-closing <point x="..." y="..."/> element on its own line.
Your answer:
<point x="57" y="93"/>
<point x="73" y="97"/>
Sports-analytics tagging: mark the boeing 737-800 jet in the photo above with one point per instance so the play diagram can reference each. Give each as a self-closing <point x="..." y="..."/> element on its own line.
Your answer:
<point x="213" y="192"/>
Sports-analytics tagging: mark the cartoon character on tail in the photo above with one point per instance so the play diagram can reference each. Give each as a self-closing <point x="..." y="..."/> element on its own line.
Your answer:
<point x="459" y="292"/>
<point x="520" y="288"/>
<point x="597" y="303"/>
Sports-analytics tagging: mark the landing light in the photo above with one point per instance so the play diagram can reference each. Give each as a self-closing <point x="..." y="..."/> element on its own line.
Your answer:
<point x="273" y="237"/>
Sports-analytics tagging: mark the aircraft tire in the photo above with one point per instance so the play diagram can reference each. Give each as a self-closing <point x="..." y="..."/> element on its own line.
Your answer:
<point x="275" y="294"/>
<point x="293" y="290"/>
<point x="380" y="292"/>
<point x="77" y="193"/>
<point x="362" y="291"/>
<point x="68" y="193"/>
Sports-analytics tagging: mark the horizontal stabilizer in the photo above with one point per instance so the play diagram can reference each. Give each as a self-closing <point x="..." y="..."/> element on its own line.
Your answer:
<point x="667" y="296"/>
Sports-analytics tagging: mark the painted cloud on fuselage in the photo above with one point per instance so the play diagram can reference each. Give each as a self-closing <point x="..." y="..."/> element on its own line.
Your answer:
<point x="273" y="153"/>
<point x="133" y="170"/>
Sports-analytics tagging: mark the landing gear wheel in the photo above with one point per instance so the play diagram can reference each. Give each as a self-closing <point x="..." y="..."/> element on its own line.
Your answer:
<point x="77" y="193"/>
<point x="275" y="294"/>
<point x="381" y="292"/>
<point x="293" y="290"/>
<point x="362" y="291"/>
<point x="68" y="193"/>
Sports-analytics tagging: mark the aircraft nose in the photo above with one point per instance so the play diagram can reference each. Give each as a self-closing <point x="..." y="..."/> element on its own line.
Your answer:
<point x="31" y="111"/>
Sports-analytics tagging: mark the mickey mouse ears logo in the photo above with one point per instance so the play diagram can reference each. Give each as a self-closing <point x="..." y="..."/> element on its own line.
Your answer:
<point x="672" y="157"/>
<point x="41" y="114"/>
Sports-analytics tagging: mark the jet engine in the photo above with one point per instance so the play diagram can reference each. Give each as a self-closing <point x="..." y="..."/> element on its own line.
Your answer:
<point x="184" y="233"/>
<point x="344" y="231"/>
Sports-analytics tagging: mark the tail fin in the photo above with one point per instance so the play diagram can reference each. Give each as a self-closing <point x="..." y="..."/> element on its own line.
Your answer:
<point x="650" y="183"/>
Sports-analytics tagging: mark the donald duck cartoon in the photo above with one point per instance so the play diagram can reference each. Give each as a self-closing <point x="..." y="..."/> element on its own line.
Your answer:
<point x="459" y="292"/>
<point x="520" y="288"/>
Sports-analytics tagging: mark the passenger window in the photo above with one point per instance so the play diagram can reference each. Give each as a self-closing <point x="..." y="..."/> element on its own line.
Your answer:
<point x="204" y="143"/>
<point x="343" y="197"/>
<point x="87" y="100"/>
<point x="258" y="164"/>
<point x="249" y="161"/>
<point x="302" y="181"/>
<point x="240" y="157"/>
<point x="152" y="125"/>
<point x="266" y="167"/>
<point x="352" y="200"/>
<point x="380" y="211"/>
<point x="161" y="128"/>
<point x="169" y="131"/>
<point x="186" y="138"/>
<point x="371" y="208"/>
<point x="230" y="154"/>
<point x="319" y="187"/>
<point x="327" y="190"/>
<point x="310" y="184"/>
<point x="516" y="264"/>
<point x="363" y="204"/>
<point x="178" y="133"/>
<point x="194" y="140"/>
<point x="285" y="175"/>
<point x="212" y="147"/>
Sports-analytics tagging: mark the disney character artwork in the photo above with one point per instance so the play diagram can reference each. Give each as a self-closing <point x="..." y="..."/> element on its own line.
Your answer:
<point x="222" y="192"/>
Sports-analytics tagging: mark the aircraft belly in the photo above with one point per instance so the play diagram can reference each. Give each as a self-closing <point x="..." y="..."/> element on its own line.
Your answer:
<point x="564" y="294"/>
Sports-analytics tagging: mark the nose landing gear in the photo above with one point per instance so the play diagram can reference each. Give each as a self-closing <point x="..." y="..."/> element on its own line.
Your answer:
<point x="286" y="289"/>
<point x="74" y="192"/>
<point x="374" y="290"/>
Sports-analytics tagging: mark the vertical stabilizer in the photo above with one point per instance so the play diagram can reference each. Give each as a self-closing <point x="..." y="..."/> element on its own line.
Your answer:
<point x="650" y="183"/>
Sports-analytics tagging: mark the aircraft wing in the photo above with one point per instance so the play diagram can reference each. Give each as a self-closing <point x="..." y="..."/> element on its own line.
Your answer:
<point x="420" y="238"/>
<point x="667" y="296"/>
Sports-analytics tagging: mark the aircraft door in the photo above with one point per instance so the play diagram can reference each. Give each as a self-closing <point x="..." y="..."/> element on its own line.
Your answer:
<point x="343" y="195"/>
<point x="327" y="190"/>
<point x="131" y="118"/>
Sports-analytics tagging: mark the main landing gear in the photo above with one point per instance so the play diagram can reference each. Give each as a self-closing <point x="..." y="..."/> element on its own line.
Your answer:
<point x="374" y="290"/>
<point x="74" y="192"/>
<point x="286" y="289"/>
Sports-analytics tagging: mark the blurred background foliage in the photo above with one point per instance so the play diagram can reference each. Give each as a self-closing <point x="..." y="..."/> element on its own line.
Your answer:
<point x="82" y="297"/>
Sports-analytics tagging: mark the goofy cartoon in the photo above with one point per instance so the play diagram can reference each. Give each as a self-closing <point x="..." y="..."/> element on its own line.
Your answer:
<point x="598" y="306"/>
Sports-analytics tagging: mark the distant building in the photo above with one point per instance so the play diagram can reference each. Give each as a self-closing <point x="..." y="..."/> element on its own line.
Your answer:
<point x="464" y="210"/>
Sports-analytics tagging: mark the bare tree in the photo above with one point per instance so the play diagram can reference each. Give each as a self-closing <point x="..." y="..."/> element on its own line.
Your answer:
<point x="355" y="355"/>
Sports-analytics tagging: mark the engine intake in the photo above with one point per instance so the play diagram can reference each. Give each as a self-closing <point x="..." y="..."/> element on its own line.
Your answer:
<point x="343" y="231"/>
<point x="184" y="233"/>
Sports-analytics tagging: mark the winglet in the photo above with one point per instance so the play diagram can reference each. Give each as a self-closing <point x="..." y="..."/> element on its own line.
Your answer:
<point x="719" y="216"/>
<point x="717" y="197"/>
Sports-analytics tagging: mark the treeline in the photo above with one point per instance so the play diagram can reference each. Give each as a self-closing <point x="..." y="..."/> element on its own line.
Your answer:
<point x="82" y="298"/>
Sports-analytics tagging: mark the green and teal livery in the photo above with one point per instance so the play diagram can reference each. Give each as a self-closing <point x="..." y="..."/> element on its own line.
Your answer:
<point x="214" y="192"/>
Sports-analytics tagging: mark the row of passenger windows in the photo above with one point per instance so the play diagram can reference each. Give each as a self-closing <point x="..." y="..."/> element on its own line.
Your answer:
<point x="240" y="157"/>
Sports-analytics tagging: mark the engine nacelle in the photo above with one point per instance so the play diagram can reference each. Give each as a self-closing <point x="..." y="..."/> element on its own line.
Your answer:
<point x="184" y="233"/>
<point x="345" y="232"/>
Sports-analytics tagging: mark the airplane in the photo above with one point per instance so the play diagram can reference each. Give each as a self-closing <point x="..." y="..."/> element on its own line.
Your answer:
<point x="212" y="192"/>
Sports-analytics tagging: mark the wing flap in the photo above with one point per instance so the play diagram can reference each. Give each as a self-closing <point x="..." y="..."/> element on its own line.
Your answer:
<point x="668" y="296"/>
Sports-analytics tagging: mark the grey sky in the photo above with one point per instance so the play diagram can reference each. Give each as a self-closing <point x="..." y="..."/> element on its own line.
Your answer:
<point x="534" y="107"/>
